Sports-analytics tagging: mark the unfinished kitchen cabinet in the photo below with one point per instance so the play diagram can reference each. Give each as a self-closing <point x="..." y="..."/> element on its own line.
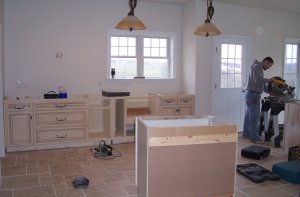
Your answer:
<point x="99" y="118"/>
<point x="172" y="105"/>
<point x="18" y="123"/>
<point x="185" y="157"/>
<point x="127" y="109"/>
<point x="61" y="120"/>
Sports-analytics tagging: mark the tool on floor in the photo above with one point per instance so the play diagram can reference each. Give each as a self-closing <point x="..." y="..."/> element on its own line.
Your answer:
<point x="280" y="93"/>
<point x="105" y="151"/>
<point x="81" y="182"/>
<point x="255" y="152"/>
<point x="256" y="173"/>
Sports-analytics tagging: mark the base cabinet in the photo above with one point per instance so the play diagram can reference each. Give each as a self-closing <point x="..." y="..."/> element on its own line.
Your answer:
<point x="172" y="105"/>
<point x="18" y="123"/>
<point x="176" y="159"/>
<point x="37" y="123"/>
<point x="20" y="128"/>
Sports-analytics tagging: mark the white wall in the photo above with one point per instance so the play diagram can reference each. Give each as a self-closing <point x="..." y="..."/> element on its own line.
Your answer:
<point x="35" y="30"/>
<point x="2" y="146"/>
<point x="237" y="20"/>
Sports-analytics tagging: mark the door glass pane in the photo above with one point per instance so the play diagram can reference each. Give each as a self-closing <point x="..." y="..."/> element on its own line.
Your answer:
<point x="231" y="66"/>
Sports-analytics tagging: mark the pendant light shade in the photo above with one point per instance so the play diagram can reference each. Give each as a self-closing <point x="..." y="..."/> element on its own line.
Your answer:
<point x="208" y="28"/>
<point x="131" y="22"/>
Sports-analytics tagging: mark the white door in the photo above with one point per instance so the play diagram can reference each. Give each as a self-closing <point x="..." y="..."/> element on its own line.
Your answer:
<point x="229" y="78"/>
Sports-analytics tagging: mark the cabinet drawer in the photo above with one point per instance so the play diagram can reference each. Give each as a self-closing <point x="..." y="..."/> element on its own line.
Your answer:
<point x="61" y="105"/>
<point x="19" y="107"/>
<point x="185" y="100"/>
<point x="165" y="101"/>
<point x="58" y="135"/>
<point x="61" y="118"/>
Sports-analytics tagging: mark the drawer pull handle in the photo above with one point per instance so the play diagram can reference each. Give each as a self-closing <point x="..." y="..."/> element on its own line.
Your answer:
<point x="169" y="101"/>
<point x="19" y="107"/>
<point x="61" y="106"/>
<point x="65" y="136"/>
<point x="185" y="100"/>
<point x="61" y="119"/>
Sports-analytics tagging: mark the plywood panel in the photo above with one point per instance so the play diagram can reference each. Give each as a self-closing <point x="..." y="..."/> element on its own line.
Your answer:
<point x="192" y="170"/>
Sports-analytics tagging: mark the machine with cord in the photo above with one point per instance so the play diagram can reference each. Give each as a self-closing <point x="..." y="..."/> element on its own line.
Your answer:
<point x="279" y="94"/>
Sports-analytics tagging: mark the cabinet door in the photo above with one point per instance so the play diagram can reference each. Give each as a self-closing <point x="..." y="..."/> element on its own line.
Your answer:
<point x="186" y="110"/>
<point x="169" y="111"/>
<point x="20" y="129"/>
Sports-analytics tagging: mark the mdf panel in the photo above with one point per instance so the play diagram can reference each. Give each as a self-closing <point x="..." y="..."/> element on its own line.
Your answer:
<point x="191" y="170"/>
<point x="20" y="129"/>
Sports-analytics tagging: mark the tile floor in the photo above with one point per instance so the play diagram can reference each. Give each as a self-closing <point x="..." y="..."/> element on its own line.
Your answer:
<point x="49" y="173"/>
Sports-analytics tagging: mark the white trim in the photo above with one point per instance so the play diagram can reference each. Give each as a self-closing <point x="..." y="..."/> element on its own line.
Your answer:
<point x="294" y="41"/>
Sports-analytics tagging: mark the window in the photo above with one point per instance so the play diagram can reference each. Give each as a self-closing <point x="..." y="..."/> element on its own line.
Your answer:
<point x="291" y="63"/>
<point x="141" y="56"/>
<point x="231" y="66"/>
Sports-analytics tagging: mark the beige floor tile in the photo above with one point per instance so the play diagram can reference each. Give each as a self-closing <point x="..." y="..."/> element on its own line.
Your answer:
<point x="70" y="192"/>
<point x="293" y="189"/>
<point x="52" y="180"/>
<point x="19" y="181"/>
<point x="13" y="170"/>
<point x="52" y="160"/>
<point x="38" y="170"/>
<point x="238" y="193"/>
<point x="241" y="182"/>
<point x="120" y="167"/>
<point x="44" y="191"/>
<point x="6" y="193"/>
<point x="65" y="169"/>
<point x="40" y="154"/>
<point x="94" y="178"/>
<point x="130" y="176"/>
<point x="61" y="186"/>
<point x="26" y="162"/>
<point x="114" y="177"/>
<point x="79" y="159"/>
<point x="107" y="190"/>
<point x="263" y="190"/>
<point x="130" y="189"/>
<point x="8" y="161"/>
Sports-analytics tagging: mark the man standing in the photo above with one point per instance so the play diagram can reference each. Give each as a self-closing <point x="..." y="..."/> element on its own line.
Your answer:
<point x="255" y="86"/>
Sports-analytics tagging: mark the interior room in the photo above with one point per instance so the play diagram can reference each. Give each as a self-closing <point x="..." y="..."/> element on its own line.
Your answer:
<point x="71" y="76"/>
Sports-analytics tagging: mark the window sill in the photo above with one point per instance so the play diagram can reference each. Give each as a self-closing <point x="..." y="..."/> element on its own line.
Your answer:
<point x="139" y="80"/>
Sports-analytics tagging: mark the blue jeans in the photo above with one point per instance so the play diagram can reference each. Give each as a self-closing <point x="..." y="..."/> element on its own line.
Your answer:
<point x="252" y="115"/>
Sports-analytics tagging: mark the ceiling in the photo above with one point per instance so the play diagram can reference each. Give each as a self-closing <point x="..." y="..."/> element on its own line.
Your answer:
<point x="281" y="5"/>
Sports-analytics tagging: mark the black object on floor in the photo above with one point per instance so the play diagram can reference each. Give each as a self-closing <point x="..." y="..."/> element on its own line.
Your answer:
<point x="255" y="152"/>
<point x="80" y="182"/>
<point x="294" y="153"/>
<point x="256" y="173"/>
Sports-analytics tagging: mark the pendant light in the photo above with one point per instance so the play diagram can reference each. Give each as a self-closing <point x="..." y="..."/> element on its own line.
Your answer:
<point x="208" y="28"/>
<point x="131" y="22"/>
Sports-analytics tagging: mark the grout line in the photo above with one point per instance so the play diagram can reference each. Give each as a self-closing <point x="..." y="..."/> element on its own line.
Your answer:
<point x="282" y="190"/>
<point x="54" y="190"/>
<point x="242" y="192"/>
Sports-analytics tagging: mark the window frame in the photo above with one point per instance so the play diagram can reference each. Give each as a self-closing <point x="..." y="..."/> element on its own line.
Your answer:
<point x="140" y="35"/>
<point x="293" y="41"/>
